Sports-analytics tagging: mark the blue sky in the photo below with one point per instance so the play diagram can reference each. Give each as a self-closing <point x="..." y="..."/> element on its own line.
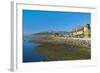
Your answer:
<point x="35" y="21"/>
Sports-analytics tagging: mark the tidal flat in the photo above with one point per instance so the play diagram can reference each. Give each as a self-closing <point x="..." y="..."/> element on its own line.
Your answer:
<point x="54" y="52"/>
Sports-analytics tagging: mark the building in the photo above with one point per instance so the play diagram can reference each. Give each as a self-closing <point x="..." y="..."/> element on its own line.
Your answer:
<point x="82" y="32"/>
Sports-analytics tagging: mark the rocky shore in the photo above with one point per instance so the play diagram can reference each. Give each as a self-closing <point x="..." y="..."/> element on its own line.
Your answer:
<point x="78" y="42"/>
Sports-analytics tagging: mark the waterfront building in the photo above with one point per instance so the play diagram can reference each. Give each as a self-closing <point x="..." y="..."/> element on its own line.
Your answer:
<point x="82" y="32"/>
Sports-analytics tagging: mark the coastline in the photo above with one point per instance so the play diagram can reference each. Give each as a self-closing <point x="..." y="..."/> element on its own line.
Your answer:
<point x="79" y="42"/>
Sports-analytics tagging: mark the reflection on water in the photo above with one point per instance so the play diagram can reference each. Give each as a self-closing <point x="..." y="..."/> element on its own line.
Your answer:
<point x="30" y="54"/>
<point x="35" y="52"/>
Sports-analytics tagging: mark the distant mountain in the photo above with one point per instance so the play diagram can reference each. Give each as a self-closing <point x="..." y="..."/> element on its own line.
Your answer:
<point x="48" y="34"/>
<point x="51" y="33"/>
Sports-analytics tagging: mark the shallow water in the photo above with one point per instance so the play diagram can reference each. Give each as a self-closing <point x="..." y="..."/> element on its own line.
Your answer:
<point x="30" y="54"/>
<point x="35" y="52"/>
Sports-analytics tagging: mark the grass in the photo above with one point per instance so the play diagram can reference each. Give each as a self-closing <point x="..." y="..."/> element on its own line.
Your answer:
<point x="56" y="52"/>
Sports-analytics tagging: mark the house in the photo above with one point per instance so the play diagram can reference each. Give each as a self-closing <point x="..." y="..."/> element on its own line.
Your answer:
<point x="82" y="32"/>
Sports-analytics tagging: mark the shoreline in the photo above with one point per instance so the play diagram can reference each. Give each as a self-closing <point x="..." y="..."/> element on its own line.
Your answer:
<point x="79" y="42"/>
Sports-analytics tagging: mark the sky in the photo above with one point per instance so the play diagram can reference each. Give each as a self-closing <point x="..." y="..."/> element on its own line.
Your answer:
<point x="35" y="21"/>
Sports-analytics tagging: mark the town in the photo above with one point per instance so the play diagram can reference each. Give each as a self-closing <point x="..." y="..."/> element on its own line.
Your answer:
<point x="79" y="32"/>
<point x="80" y="36"/>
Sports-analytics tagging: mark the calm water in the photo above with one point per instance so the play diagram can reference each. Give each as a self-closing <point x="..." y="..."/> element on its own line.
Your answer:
<point x="30" y="54"/>
<point x="34" y="52"/>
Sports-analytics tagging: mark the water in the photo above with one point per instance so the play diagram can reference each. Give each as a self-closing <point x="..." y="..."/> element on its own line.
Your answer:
<point x="30" y="54"/>
<point x="35" y="52"/>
